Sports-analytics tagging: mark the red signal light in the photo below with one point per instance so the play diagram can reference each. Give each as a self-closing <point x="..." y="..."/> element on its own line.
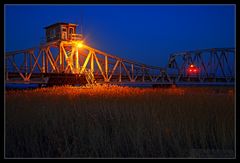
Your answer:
<point x="192" y="69"/>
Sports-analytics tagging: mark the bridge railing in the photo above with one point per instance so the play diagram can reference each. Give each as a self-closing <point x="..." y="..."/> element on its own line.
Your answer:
<point x="76" y="37"/>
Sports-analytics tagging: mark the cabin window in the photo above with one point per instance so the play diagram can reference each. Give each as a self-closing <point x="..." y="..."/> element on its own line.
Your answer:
<point x="52" y="33"/>
<point x="58" y="29"/>
<point x="64" y="29"/>
<point x="64" y="35"/>
<point x="71" y="30"/>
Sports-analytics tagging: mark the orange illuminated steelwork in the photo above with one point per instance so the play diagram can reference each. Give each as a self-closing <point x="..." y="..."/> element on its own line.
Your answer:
<point x="79" y="45"/>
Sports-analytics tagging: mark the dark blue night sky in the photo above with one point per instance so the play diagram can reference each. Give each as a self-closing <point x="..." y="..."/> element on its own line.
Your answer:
<point x="144" y="33"/>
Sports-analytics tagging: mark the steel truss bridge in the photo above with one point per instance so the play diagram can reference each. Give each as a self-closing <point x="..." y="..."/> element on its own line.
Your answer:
<point x="71" y="62"/>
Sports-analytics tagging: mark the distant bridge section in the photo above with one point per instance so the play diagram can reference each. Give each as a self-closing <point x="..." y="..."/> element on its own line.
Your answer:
<point x="216" y="65"/>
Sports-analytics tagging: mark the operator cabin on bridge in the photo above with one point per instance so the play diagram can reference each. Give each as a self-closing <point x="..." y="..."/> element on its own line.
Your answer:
<point x="62" y="31"/>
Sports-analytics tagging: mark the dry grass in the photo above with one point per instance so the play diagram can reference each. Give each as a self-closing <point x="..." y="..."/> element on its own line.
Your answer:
<point x="112" y="121"/>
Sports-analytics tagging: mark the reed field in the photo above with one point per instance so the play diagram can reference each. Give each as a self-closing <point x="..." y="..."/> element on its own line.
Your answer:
<point x="120" y="122"/>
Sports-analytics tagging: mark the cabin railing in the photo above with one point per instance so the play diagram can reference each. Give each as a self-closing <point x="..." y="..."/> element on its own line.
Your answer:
<point x="75" y="36"/>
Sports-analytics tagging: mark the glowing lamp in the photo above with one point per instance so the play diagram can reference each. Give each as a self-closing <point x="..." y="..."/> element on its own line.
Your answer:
<point x="80" y="45"/>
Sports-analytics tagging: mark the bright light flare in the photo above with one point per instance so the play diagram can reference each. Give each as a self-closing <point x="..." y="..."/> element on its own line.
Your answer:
<point x="79" y="44"/>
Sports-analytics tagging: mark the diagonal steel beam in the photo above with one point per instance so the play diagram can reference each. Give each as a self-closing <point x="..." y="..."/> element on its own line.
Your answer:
<point x="128" y="74"/>
<point x="113" y="70"/>
<point x="85" y="62"/>
<point x="99" y="66"/>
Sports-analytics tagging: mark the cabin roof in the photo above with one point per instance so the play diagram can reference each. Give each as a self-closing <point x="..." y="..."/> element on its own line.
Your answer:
<point x="60" y="23"/>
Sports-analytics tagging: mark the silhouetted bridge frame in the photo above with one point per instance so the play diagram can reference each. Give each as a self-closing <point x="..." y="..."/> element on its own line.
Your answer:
<point x="216" y="65"/>
<point x="68" y="60"/>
